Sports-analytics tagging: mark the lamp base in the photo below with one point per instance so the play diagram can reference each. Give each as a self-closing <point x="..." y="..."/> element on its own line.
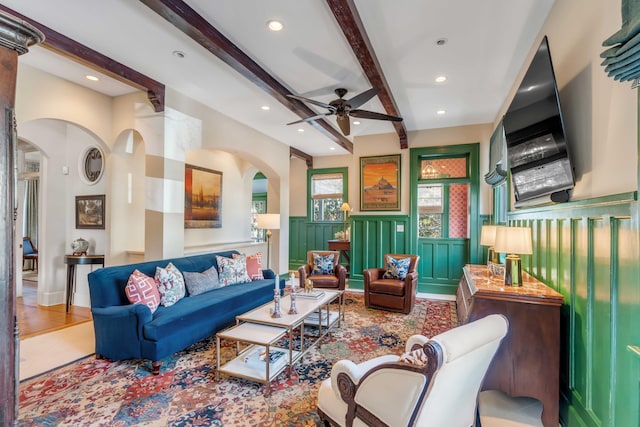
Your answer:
<point x="513" y="271"/>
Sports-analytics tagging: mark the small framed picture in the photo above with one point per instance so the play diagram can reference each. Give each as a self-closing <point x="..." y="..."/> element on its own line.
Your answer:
<point x="380" y="183"/>
<point x="90" y="212"/>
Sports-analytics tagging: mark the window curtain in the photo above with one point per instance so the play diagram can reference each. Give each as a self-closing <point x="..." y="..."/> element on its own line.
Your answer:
<point x="497" y="157"/>
<point x="622" y="59"/>
<point x="30" y="220"/>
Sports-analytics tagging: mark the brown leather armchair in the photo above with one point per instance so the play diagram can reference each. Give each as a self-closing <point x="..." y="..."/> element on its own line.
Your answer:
<point x="336" y="280"/>
<point x="391" y="294"/>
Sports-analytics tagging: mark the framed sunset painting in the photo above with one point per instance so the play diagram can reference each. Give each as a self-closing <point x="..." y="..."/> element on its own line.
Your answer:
<point x="380" y="183"/>
<point x="202" y="197"/>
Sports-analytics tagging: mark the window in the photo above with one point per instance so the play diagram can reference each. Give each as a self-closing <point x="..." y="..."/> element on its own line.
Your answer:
<point x="258" y="205"/>
<point x="327" y="188"/>
<point x="430" y="211"/>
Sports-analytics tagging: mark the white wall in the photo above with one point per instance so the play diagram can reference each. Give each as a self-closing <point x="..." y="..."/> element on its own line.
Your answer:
<point x="600" y="114"/>
<point x="384" y="144"/>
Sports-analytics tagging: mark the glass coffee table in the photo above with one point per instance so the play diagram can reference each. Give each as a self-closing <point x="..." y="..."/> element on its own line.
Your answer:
<point x="261" y="332"/>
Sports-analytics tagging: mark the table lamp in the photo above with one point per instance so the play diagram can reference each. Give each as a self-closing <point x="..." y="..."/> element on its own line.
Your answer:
<point x="488" y="238"/>
<point x="513" y="241"/>
<point x="268" y="222"/>
<point x="345" y="208"/>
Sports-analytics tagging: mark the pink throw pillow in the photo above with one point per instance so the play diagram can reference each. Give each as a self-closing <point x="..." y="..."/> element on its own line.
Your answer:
<point x="142" y="289"/>
<point x="254" y="265"/>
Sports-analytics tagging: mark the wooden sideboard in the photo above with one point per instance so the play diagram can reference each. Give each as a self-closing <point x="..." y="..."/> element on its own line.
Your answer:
<point x="528" y="361"/>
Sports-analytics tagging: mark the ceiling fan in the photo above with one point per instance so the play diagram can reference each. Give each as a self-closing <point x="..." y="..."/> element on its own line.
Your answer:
<point x="343" y="108"/>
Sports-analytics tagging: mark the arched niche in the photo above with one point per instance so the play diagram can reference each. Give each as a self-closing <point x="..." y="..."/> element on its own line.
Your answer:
<point x="127" y="198"/>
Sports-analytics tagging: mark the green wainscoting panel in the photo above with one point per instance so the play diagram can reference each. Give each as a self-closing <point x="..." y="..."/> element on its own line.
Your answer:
<point x="589" y="251"/>
<point x="305" y="236"/>
<point x="372" y="236"/>
<point x="441" y="262"/>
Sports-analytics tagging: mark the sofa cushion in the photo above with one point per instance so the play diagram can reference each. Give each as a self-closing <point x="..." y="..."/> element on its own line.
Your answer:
<point x="213" y="310"/>
<point x="323" y="264"/>
<point x="198" y="283"/>
<point x="170" y="284"/>
<point x="254" y="265"/>
<point x="396" y="268"/>
<point x="141" y="289"/>
<point x="232" y="271"/>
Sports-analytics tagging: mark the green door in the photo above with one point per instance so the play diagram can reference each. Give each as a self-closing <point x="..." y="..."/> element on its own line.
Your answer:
<point x="444" y="214"/>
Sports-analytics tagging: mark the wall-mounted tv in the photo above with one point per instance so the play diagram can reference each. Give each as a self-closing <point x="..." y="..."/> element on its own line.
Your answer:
<point x="537" y="150"/>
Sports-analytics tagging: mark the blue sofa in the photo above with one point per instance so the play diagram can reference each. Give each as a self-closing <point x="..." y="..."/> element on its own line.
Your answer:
<point x="130" y="331"/>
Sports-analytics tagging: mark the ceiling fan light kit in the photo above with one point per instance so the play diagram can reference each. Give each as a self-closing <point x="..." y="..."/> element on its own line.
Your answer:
<point x="343" y="108"/>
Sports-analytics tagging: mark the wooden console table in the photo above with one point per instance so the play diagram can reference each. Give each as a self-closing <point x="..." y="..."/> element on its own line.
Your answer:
<point x="528" y="361"/>
<point x="72" y="261"/>
<point x="344" y="246"/>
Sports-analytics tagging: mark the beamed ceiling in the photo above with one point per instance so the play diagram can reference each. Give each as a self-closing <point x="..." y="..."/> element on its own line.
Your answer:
<point x="230" y="61"/>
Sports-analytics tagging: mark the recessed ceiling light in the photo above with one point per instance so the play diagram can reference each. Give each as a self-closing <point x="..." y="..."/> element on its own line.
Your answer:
<point x="265" y="107"/>
<point x="441" y="79"/>
<point x="356" y="123"/>
<point x="92" y="78"/>
<point x="441" y="112"/>
<point x="300" y="130"/>
<point x="332" y="148"/>
<point x="178" y="53"/>
<point x="275" y="25"/>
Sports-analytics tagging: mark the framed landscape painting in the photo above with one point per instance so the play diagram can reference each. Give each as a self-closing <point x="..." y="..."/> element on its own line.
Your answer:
<point x="202" y="197"/>
<point x="90" y="212"/>
<point x="380" y="183"/>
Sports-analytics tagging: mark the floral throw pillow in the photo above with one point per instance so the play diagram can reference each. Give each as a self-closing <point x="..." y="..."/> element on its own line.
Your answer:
<point x="396" y="268"/>
<point x="141" y="289"/>
<point x="170" y="284"/>
<point x="232" y="271"/>
<point x="322" y="264"/>
<point x="415" y="357"/>
<point x="198" y="283"/>
<point x="254" y="265"/>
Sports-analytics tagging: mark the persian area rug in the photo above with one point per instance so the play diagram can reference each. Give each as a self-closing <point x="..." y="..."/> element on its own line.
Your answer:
<point x="94" y="392"/>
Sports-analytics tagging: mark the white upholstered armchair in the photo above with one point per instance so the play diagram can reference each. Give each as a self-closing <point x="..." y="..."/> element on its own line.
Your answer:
<point x="388" y="392"/>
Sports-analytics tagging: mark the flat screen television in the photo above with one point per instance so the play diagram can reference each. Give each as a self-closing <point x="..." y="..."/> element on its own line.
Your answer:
<point x="537" y="149"/>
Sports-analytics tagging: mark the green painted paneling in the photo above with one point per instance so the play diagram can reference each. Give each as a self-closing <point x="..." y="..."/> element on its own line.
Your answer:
<point x="589" y="251"/>
<point x="373" y="236"/>
<point x="441" y="262"/>
<point x="305" y="236"/>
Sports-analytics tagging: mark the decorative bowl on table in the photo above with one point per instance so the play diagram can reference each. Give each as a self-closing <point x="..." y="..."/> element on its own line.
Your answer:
<point x="80" y="246"/>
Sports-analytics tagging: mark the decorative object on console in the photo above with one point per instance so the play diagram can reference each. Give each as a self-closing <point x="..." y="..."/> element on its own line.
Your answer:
<point x="79" y="246"/>
<point x="202" y="197"/>
<point x="268" y="222"/>
<point x="488" y="238"/>
<point x="345" y="208"/>
<point x="513" y="241"/>
<point x="90" y="211"/>
<point x="380" y="183"/>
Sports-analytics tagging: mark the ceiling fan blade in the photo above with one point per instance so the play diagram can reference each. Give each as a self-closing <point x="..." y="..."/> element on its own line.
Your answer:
<point x="360" y="99"/>
<point x="343" y="123"/>
<point x="310" y="119"/>
<point x="312" y="101"/>
<point x="364" y="114"/>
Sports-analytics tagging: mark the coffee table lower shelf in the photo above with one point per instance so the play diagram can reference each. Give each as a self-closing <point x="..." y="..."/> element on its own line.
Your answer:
<point x="258" y="336"/>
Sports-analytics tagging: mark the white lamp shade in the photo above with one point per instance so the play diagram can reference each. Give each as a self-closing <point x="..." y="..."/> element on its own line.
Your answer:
<point x="268" y="221"/>
<point x="488" y="235"/>
<point x="513" y="240"/>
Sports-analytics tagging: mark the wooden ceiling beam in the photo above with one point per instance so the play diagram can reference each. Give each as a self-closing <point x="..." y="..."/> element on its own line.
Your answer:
<point x="301" y="155"/>
<point x="206" y="35"/>
<point x="348" y="18"/>
<point x="88" y="57"/>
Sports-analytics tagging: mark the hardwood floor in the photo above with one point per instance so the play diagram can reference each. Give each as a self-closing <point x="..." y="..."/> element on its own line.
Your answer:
<point x="34" y="319"/>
